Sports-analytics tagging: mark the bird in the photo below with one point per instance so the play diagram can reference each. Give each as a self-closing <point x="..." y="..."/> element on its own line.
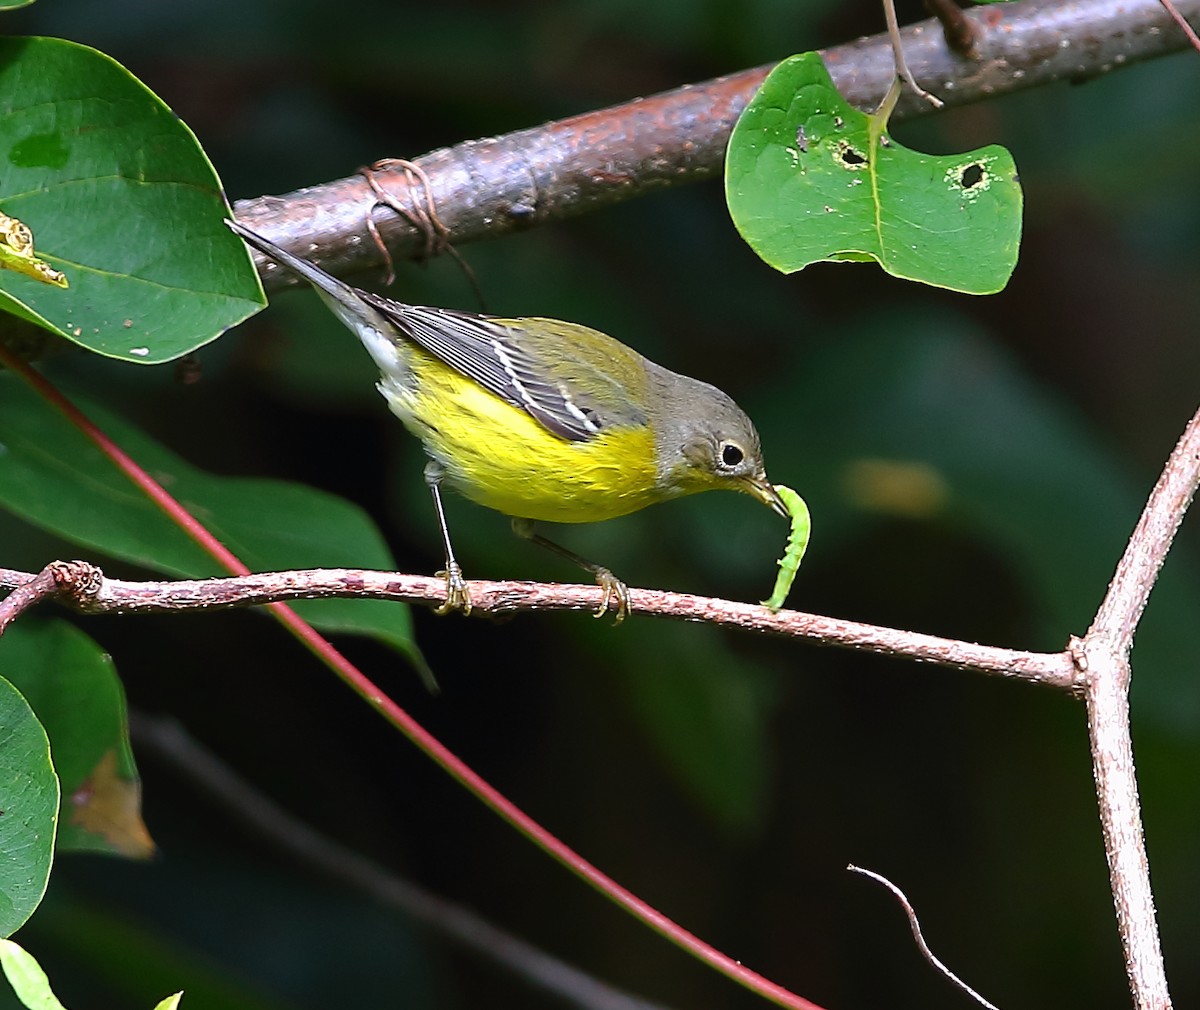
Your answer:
<point x="540" y="419"/>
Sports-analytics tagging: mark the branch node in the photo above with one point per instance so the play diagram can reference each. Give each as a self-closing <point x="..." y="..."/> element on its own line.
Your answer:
<point x="77" y="582"/>
<point x="1077" y="649"/>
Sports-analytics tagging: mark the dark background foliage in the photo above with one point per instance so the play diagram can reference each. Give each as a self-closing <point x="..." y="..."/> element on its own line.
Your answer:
<point x="973" y="466"/>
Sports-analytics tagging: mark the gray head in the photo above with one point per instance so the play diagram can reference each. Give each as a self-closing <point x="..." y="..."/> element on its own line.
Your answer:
<point x="703" y="440"/>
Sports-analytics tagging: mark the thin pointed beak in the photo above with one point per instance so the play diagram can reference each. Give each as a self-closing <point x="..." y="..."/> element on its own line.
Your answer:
<point x="765" y="492"/>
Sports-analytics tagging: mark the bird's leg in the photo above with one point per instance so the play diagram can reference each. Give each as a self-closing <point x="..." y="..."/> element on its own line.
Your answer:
<point x="612" y="586"/>
<point x="457" y="597"/>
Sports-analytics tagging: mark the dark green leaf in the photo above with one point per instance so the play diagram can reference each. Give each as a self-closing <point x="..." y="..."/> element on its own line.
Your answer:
<point x="121" y="198"/>
<point x="29" y="805"/>
<point x="54" y="478"/>
<point x="71" y="684"/>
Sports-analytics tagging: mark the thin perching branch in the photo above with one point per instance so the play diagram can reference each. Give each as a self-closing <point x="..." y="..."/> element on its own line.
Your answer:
<point x="104" y="595"/>
<point x="1097" y="664"/>
<point x="490" y="187"/>
<point x="71" y="586"/>
<point x="27" y="593"/>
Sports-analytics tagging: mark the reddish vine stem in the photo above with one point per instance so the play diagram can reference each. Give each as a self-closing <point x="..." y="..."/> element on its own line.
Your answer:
<point x="168" y="740"/>
<point x="429" y="745"/>
<point x="1182" y="22"/>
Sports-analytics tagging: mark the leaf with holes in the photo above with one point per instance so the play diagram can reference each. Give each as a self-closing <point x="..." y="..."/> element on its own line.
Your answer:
<point x="810" y="178"/>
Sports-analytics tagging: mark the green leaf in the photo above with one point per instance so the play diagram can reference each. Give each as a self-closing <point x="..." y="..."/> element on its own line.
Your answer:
<point x="121" y="199"/>
<point x="170" y="1003"/>
<point x="12" y="5"/>
<point x="29" y="800"/>
<point x="54" y="478"/>
<point x="808" y="177"/>
<point x="72" y="686"/>
<point x="26" y="977"/>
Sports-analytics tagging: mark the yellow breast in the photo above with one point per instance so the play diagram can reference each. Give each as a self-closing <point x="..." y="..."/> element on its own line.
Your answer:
<point x="499" y="456"/>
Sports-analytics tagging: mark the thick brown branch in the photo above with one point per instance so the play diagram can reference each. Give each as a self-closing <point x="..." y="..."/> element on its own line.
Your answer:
<point x="489" y="187"/>
<point x="112" y="595"/>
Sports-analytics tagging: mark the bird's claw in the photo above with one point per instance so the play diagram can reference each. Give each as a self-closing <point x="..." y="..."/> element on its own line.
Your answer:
<point x="457" y="595"/>
<point x="613" y="587"/>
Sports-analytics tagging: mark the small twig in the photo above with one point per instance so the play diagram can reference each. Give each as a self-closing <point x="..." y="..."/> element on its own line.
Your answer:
<point x="916" y="932"/>
<point x="958" y="30"/>
<point x="893" y="30"/>
<point x="1119" y="613"/>
<point x="116" y="596"/>
<point x="1180" y="20"/>
<point x="171" y="742"/>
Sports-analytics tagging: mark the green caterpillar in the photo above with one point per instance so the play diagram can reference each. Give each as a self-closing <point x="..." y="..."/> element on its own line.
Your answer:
<point x="796" y="546"/>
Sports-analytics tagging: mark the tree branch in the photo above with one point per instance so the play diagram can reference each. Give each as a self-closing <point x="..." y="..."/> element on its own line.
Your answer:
<point x="498" y="598"/>
<point x="489" y="187"/>
<point x="68" y="581"/>
<point x="1103" y="657"/>
<point x="1097" y="664"/>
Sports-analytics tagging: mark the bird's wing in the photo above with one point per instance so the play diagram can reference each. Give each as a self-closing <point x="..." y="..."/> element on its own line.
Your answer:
<point x="574" y="389"/>
<point x="567" y="395"/>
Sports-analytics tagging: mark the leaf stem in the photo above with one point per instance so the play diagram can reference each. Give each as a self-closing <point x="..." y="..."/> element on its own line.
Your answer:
<point x="893" y="31"/>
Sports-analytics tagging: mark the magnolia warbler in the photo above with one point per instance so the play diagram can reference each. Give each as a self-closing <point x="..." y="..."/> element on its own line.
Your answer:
<point x="542" y="419"/>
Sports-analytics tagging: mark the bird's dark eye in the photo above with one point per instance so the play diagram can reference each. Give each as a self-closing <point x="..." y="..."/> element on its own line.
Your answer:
<point x="731" y="454"/>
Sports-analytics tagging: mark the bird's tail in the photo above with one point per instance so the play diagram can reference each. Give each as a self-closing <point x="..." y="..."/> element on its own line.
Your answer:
<point x="346" y="302"/>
